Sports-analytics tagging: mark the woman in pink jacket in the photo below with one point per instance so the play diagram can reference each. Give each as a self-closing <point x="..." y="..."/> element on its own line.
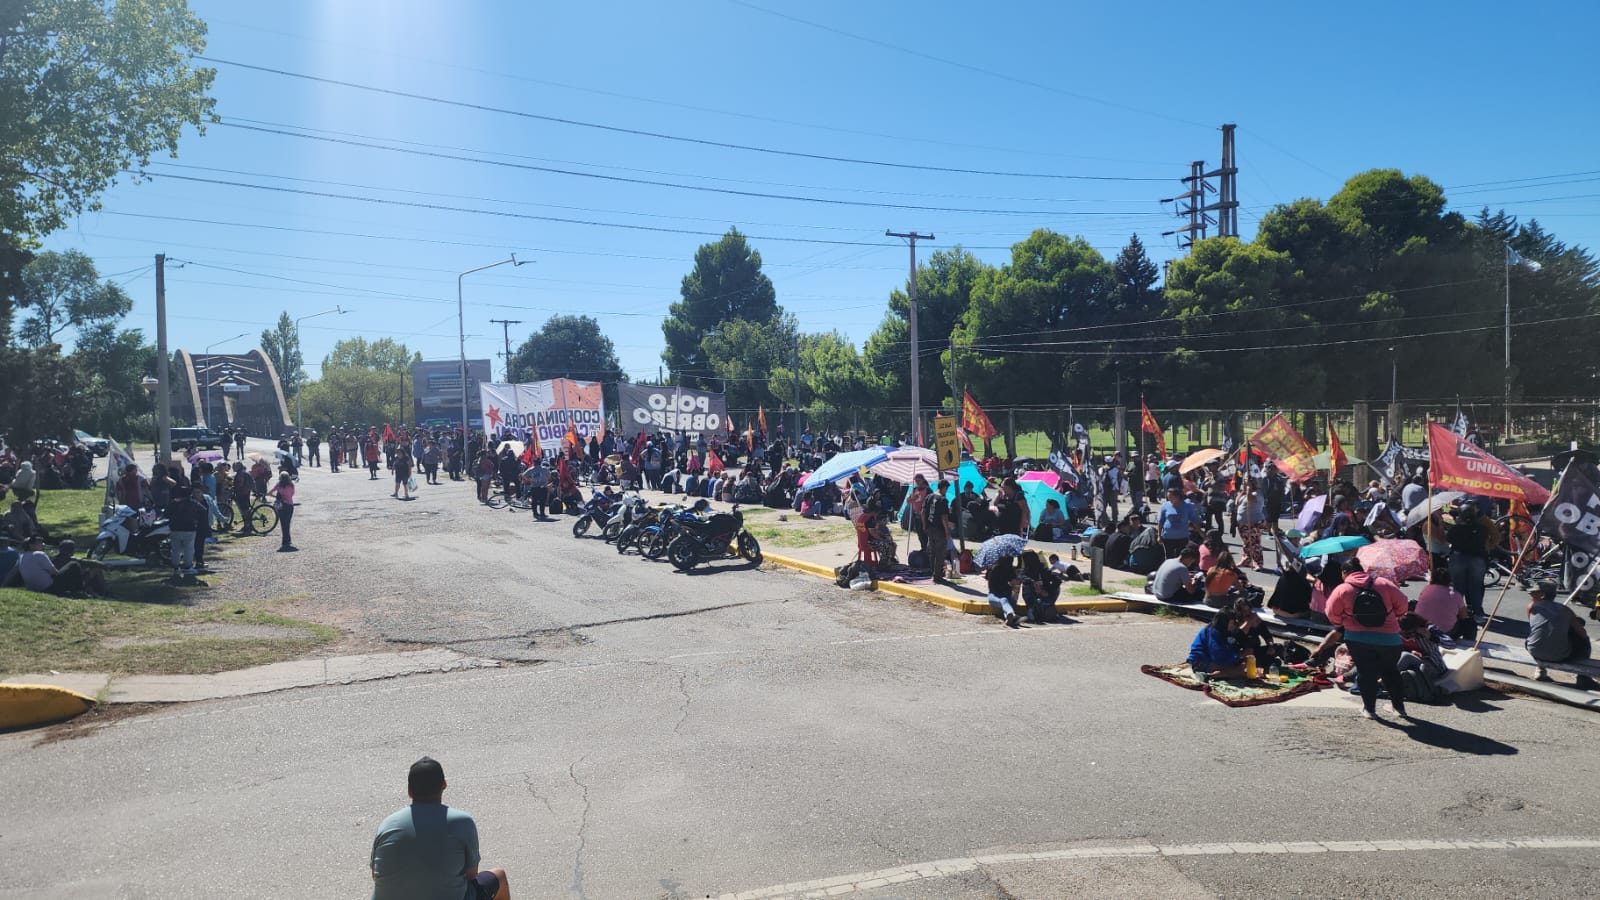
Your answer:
<point x="1368" y="610"/>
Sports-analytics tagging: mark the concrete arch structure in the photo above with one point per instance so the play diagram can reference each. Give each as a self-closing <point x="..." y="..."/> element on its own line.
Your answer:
<point x="229" y="389"/>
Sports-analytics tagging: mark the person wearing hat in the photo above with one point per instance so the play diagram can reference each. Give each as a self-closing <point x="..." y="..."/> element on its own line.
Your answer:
<point x="1556" y="634"/>
<point x="40" y="574"/>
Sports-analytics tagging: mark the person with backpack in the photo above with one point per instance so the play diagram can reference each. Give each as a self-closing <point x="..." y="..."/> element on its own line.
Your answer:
<point x="1367" y="609"/>
<point x="936" y="525"/>
<point x="1471" y="537"/>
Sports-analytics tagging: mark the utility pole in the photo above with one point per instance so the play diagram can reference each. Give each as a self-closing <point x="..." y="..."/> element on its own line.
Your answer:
<point x="916" y="359"/>
<point x="1192" y="203"/>
<point x="1227" y="174"/>
<point x="164" y="388"/>
<point x="794" y="439"/>
<point x="505" y="327"/>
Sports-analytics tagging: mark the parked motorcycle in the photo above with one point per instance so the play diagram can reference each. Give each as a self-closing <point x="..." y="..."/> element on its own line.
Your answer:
<point x="722" y="536"/>
<point x="133" y="532"/>
<point x="596" y="512"/>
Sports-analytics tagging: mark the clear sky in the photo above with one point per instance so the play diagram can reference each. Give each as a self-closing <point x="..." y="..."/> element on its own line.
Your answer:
<point x="1486" y="99"/>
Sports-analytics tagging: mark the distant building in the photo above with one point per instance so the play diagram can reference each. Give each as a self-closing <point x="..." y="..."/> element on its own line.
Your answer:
<point x="436" y="387"/>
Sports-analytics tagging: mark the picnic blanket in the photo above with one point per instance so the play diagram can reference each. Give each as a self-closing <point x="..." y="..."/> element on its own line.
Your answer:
<point x="1236" y="691"/>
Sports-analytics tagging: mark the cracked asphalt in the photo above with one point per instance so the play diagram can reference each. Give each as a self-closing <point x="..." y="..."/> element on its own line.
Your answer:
<point x="658" y="735"/>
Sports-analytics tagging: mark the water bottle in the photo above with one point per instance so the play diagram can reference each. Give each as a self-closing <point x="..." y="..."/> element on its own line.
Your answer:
<point x="1275" y="674"/>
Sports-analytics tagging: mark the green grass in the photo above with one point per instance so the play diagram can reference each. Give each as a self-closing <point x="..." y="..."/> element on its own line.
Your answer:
<point x="71" y="514"/>
<point x="40" y="632"/>
<point x="804" y="534"/>
<point x="1084" y="590"/>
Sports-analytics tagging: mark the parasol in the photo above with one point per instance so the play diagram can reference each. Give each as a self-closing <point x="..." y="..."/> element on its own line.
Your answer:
<point x="1199" y="458"/>
<point x="998" y="547"/>
<point x="1329" y="546"/>
<point x="1395" y="560"/>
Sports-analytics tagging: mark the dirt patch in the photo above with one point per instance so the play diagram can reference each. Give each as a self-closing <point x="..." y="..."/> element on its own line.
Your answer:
<point x="241" y="632"/>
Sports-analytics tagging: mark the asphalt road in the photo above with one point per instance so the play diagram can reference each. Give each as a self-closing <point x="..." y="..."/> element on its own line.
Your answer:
<point x="658" y="735"/>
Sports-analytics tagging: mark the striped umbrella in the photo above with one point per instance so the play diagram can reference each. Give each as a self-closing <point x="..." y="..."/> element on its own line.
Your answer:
<point x="906" y="463"/>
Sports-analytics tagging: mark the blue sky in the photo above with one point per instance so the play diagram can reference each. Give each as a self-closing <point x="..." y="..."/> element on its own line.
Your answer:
<point x="1459" y="91"/>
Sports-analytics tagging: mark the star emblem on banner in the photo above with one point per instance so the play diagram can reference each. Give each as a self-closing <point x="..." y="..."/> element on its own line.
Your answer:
<point x="494" y="416"/>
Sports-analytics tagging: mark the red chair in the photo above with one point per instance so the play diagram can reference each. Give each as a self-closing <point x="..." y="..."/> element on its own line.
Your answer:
<point x="864" y="551"/>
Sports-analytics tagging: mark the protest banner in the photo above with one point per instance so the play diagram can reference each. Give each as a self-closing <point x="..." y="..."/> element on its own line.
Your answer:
<point x="1147" y="423"/>
<point x="680" y="410"/>
<point x="1457" y="465"/>
<point x="1287" y="448"/>
<point x="546" y="407"/>
<point x="1573" y="517"/>
<point x="974" y="420"/>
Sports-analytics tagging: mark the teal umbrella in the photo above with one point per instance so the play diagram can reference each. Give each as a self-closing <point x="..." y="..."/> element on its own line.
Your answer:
<point x="1329" y="546"/>
<point x="1037" y="492"/>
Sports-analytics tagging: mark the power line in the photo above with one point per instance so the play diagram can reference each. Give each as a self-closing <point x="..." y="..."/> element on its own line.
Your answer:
<point x="760" y="195"/>
<point x="639" y="132"/>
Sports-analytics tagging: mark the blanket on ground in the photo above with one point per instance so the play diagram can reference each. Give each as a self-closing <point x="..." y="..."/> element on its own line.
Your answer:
<point x="1238" y="691"/>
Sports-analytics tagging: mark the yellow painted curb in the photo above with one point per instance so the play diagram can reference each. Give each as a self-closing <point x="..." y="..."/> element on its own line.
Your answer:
<point x="979" y="607"/>
<point x="26" y="705"/>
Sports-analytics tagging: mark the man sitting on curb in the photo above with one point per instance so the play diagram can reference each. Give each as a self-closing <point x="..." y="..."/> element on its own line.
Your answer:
<point x="1178" y="580"/>
<point x="1556" y="634"/>
<point x="428" y="851"/>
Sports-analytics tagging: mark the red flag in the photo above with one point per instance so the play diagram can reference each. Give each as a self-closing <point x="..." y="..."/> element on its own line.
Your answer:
<point x="693" y="465"/>
<point x="1457" y="464"/>
<point x="571" y="437"/>
<point x="638" y="447"/>
<point x="1285" y="445"/>
<point x="974" y="419"/>
<point x="761" y="417"/>
<point x="388" y="433"/>
<point x="527" y="456"/>
<point x="1147" y="423"/>
<point x="1336" y="456"/>
<point x="533" y="441"/>
<point x="714" y="464"/>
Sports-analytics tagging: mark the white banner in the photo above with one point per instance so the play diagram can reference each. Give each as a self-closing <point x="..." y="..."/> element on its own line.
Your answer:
<point x="547" y="407"/>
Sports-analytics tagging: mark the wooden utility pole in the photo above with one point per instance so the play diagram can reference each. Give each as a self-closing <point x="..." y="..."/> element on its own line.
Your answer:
<point x="916" y="359"/>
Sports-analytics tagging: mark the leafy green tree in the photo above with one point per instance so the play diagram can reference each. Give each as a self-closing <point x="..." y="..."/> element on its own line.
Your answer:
<point x="944" y="291"/>
<point x="834" y="379"/>
<point x="112" y="365"/>
<point x="90" y="89"/>
<point x="63" y="291"/>
<point x="281" y="344"/>
<point x="14" y="257"/>
<point x="726" y="285"/>
<point x="354" y="395"/>
<point x="41" y="398"/>
<point x="1134" y="294"/>
<point x="383" y="354"/>
<point x="741" y="355"/>
<point x="567" y="347"/>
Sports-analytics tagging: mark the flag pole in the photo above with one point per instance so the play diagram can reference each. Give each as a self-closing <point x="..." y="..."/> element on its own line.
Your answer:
<point x="1586" y="576"/>
<point x="1516" y="566"/>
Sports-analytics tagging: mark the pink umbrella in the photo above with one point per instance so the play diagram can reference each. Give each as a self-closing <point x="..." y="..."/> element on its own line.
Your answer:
<point x="906" y="463"/>
<point x="209" y="455"/>
<point x="1396" y="560"/>
<point x="1049" y="478"/>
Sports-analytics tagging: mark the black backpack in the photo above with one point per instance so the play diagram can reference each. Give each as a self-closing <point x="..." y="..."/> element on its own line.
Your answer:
<point x="1369" y="608"/>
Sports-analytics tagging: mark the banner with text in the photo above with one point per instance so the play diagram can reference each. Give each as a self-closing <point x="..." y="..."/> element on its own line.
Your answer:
<point x="1285" y="445"/>
<point x="547" y="407"/>
<point x="679" y="410"/>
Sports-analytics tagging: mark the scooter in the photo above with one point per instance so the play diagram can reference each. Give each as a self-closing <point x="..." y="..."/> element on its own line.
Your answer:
<point x="133" y="532"/>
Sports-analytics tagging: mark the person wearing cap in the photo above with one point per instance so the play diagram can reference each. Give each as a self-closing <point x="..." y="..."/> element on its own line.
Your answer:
<point x="1556" y="634"/>
<point x="430" y="850"/>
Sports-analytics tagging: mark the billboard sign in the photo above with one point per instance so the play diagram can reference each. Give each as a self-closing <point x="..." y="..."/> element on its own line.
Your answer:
<point x="545" y="406"/>
<point x="436" y="387"/>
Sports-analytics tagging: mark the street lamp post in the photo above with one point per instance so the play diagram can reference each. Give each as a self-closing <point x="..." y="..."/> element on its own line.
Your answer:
<point x="461" y="333"/>
<point x="208" y="373"/>
<point x="327" y="312"/>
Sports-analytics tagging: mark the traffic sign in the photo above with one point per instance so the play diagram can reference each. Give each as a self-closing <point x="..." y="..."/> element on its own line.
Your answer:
<point x="948" y="445"/>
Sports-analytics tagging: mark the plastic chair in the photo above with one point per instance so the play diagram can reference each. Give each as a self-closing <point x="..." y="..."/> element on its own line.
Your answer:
<point x="864" y="551"/>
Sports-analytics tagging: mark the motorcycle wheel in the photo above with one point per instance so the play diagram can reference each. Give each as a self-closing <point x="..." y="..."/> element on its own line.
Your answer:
<point x="749" y="547"/>
<point x="581" y="527"/>
<point x="101" y="548"/>
<point x="682" y="554"/>
<point x="612" y="532"/>
<point x="626" y="539"/>
<point x="657" y="546"/>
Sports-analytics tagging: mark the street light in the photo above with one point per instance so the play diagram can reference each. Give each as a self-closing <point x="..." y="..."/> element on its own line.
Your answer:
<point x="327" y="312"/>
<point x="461" y="332"/>
<point x="208" y="373"/>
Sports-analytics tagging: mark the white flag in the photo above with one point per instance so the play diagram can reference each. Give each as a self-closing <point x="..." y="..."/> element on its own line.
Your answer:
<point x="1513" y="258"/>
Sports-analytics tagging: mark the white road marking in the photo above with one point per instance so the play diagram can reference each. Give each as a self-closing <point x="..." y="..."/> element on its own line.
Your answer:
<point x="840" y="885"/>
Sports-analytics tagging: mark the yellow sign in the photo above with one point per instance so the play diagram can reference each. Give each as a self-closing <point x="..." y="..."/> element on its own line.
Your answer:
<point x="949" y="446"/>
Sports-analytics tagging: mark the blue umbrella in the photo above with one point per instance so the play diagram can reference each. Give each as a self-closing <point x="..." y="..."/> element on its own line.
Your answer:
<point x="1328" y="546"/>
<point x="995" y="548"/>
<point x="1037" y="493"/>
<point x="966" y="473"/>
<point x="843" y="465"/>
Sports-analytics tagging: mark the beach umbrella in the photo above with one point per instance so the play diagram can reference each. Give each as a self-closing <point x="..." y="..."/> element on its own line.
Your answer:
<point x="516" y="448"/>
<point x="1395" y="560"/>
<point x="1330" y="546"/>
<point x="1440" y="501"/>
<point x="906" y="463"/>
<point x="1199" y="458"/>
<point x="1311" y="512"/>
<point x="1049" y="478"/>
<point x="1037" y="493"/>
<point x="205" y="455"/>
<point x="843" y="465"/>
<point x="998" y="547"/>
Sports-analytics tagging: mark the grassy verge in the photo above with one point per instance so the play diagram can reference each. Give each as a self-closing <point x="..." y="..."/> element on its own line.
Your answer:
<point x="40" y="632"/>
<point x="803" y="534"/>
<point x="72" y="514"/>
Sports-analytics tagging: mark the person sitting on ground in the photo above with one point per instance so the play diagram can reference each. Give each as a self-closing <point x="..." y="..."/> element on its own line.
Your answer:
<point x="1041" y="587"/>
<point x="1222" y="579"/>
<point x="18" y="523"/>
<point x="1177" y="581"/>
<point x="1251" y="635"/>
<point x="1211" y="548"/>
<point x="1002" y="580"/>
<point x="1291" y="598"/>
<point x="40" y="574"/>
<point x="1145" y="552"/>
<point x="1443" y="608"/>
<point x="9" y="556"/>
<point x="1120" y="542"/>
<point x="1556" y="634"/>
<point x="430" y="850"/>
<point x="1052" y="522"/>
<point x="1213" y="653"/>
<point x="1419" y="649"/>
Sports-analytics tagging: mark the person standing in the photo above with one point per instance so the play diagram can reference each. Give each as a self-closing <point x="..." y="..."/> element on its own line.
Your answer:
<point x="283" y="496"/>
<point x="1179" y="520"/>
<point x="335" y="450"/>
<point x="227" y="441"/>
<point x="314" y="448"/>
<point x="297" y="447"/>
<point x="183" y="516"/>
<point x="1471" y="537"/>
<point x="936" y="519"/>
<point x="537" y="477"/>
<point x="372" y="458"/>
<point x="430" y="461"/>
<point x="238" y="440"/>
<point x="402" y="471"/>
<point x="428" y="849"/>
<point x="1367" y="609"/>
<point x="1251" y="513"/>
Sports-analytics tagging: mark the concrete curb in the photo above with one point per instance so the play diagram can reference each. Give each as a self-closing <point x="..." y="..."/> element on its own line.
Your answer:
<point x="970" y="607"/>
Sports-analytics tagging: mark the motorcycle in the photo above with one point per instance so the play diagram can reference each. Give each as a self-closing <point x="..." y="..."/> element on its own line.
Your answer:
<point x="133" y="532"/>
<point x="722" y="536"/>
<point x="632" y="506"/>
<point x="654" y="540"/>
<point x="597" y="512"/>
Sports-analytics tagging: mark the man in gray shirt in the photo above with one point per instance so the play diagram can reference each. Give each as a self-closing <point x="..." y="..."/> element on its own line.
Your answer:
<point x="1176" y="581"/>
<point x="1555" y="634"/>
<point x="428" y="851"/>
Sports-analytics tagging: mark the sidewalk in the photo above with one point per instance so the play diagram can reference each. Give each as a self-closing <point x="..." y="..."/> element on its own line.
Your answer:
<point x="260" y="679"/>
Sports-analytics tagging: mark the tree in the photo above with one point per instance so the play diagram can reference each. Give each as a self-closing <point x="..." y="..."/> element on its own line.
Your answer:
<point x="567" y="347"/>
<point x="281" y="344"/>
<point x="741" y="354"/>
<point x="111" y="366"/>
<point x="383" y="355"/>
<point x="63" y="290"/>
<point x="944" y="291"/>
<point x="354" y="395"/>
<point x="1134" y="294"/>
<point x="834" y="380"/>
<point x="90" y="89"/>
<point x="725" y="285"/>
<point x="41" y="399"/>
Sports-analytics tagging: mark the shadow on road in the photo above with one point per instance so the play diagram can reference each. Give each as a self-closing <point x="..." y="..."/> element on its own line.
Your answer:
<point x="1446" y="738"/>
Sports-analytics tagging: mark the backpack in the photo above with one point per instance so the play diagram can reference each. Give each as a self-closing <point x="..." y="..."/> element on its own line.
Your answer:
<point x="1369" y="608"/>
<point x="1418" y="687"/>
